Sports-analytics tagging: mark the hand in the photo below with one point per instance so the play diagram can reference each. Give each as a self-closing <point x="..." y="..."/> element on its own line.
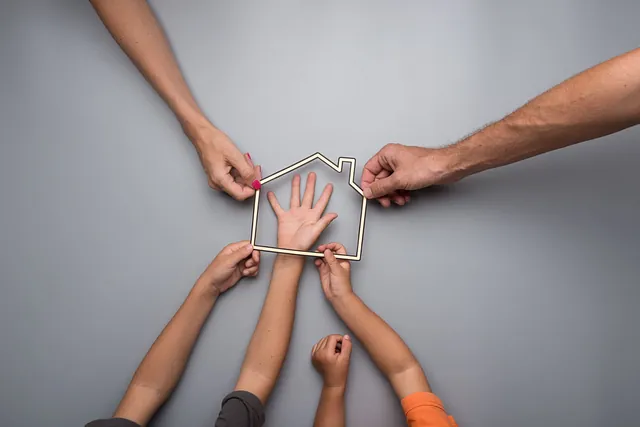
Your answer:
<point x="301" y="225"/>
<point x="235" y="261"/>
<point x="228" y="170"/>
<point x="335" y="274"/>
<point x="330" y="356"/>
<point x="396" y="168"/>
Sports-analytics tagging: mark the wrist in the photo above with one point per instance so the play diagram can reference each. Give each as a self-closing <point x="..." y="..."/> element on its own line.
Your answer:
<point x="344" y="300"/>
<point x="199" y="130"/>
<point x="206" y="290"/>
<point x="334" y="390"/>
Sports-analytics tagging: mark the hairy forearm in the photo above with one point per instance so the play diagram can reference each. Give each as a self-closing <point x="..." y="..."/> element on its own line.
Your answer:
<point x="162" y="367"/>
<point x="597" y="102"/>
<point x="135" y="28"/>
<point x="270" y="341"/>
<point x="388" y="351"/>
<point x="330" y="412"/>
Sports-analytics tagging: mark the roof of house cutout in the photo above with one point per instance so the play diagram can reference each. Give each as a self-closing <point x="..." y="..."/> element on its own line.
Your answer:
<point x="337" y="168"/>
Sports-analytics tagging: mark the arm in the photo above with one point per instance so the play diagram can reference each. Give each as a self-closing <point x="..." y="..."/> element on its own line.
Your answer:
<point x="387" y="350"/>
<point x="298" y="229"/>
<point x="597" y="102"/>
<point x="135" y="28"/>
<point x="162" y="367"/>
<point x="330" y="356"/>
<point x="270" y="341"/>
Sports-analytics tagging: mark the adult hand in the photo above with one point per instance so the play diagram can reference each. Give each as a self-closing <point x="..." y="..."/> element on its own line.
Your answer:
<point x="301" y="225"/>
<point x="396" y="169"/>
<point x="235" y="261"/>
<point x="335" y="274"/>
<point x="331" y="356"/>
<point x="226" y="167"/>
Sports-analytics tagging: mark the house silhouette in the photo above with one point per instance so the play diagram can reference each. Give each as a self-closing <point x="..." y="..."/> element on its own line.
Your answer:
<point x="338" y="168"/>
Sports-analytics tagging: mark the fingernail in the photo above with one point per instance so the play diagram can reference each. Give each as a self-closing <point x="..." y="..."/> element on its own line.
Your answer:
<point x="256" y="184"/>
<point x="347" y="337"/>
<point x="367" y="193"/>
<point x="249" y="247"/>
<point x="249" y="156"/>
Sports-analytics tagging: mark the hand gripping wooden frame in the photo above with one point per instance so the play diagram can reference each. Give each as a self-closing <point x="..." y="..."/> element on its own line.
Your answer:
<point x="336" y="167"/>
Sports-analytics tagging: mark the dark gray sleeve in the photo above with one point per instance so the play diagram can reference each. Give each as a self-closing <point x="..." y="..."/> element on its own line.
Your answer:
<point x="112" y="422"/>
<point x="241" y="409"/>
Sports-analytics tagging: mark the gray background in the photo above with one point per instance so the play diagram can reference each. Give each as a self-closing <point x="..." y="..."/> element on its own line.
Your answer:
<point x="517" y="289"/>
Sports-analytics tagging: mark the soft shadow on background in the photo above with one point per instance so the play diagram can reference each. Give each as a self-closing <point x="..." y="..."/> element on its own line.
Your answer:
<point x="516" y="289"/>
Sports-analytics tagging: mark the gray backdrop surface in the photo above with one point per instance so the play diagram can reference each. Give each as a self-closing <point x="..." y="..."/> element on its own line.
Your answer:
<point x="516" y="289"/>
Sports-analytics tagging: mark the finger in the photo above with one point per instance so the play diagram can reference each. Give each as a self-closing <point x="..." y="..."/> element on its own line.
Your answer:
<point x="384" y="201"/>
<point x="323" y="200"/>
<point x="214" y="185"/>
<point x="250" y="271"/>
<point x="371" y="169"/>
<point x="336" y="248"/>
<point x="295" y="192"/>
<point x="325" y="221"/>
<point x="233" y="247"/>
<point x="317" y="262"/>
<point x="322" y="247"/>
<point x="244" y="167"/>
<point x="314" y="348"/>
<point x="250" y="263"/>
<point x="382" y="187"/>
<point x="331" y="260"/>
<point x="234" y="189"/>
<point x="309" y="191"/>
<point x="332" y="342"/>
<point x="398" y="199"/>
<point x="256" y="256"/>
<point x="247" y="156"/>
<point x="323" y="343"/>
<point x="237" y="253"/>
<point x="345" y="351"/>
<point x="273" y="201"/>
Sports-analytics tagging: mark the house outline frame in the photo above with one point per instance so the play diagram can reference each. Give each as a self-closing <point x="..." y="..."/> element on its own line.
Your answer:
<point x="336" y="167"/>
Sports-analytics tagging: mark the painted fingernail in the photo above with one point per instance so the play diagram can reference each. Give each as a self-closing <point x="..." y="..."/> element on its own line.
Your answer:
<point x="256" y="184"/>
<point x="249" y="156"/>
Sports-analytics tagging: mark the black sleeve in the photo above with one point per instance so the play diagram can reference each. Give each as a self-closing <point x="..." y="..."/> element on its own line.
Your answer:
<point x="240" y="409"/>
<point x="112" y="422"/>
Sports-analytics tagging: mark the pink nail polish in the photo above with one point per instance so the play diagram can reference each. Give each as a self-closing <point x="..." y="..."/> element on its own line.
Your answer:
<point x="256" y="185"/>
<point x="249" y="156"/>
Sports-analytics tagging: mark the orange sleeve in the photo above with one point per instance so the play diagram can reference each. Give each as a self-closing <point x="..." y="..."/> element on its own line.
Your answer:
<point x="424" y="409"/>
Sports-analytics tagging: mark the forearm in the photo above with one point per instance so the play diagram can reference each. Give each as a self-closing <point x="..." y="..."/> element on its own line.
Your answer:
<point x="330" y="412"/>
<point x="162" y="367"/>
<point x="270" y="341"/>
<point x="387" y="350"/>
<point x="597" y="102"/>
<point x="135" y="28"/>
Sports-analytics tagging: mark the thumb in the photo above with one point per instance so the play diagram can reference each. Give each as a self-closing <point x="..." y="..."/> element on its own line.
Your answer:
<point x="244" y="168"/>
<point x="238" y="254"/>
<point x="345" y="352"/>
<point x="381" y="187"/>
<point x="332" y="261"/>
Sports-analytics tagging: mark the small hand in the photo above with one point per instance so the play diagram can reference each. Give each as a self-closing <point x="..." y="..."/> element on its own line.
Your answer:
<point x="234" y="261"/>
<point x="393" y="171"/>
<point x="226" y="167"/>
<point x="301" y="225"/>
<point x="331" y="356"/>
<point x="335" y="274"/>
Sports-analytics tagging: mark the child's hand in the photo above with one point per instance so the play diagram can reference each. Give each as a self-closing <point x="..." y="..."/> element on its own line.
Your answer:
<point x="234" y="261"/>
<point x="301" y="225"/>
<point x="330" y="356"/>
<point x="335" y="274"/>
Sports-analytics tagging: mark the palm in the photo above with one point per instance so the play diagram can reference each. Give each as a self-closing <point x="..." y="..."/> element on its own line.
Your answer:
<point x="302" y="224"/>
